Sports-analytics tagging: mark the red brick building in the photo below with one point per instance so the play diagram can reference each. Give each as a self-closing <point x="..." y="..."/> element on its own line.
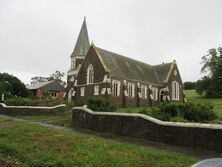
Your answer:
<point x="54" y="88"/>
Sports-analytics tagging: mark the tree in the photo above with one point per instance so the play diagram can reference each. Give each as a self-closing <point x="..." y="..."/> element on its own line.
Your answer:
<point x="211" y="83"/>
<point x="12" y="86"/>
<point x="57" y="75"/>
<point x="35" y="80"/>
<point x="189" y="85"/>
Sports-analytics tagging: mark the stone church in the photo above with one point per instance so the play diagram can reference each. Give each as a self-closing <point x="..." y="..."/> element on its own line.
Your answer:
<point x="96" y="72"/>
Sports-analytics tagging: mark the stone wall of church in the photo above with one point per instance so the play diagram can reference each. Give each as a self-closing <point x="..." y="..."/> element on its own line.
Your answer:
<point x="89" y="91"/>
<point x="175" y="76"/>
<point x="99" y="71"/>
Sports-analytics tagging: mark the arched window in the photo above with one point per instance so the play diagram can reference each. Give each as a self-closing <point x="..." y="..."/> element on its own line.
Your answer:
<point x="90" y="74"/>
<point x="175" y="90"/>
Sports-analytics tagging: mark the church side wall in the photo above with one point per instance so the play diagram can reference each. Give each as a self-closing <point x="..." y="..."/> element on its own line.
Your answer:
<point x="123" y="100"/>
<point x="80" y="100"/>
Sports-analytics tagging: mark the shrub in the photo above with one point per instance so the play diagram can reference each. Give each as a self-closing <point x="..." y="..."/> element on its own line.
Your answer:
<point x="100" y="104"/>
<point x="19" y="102"/>
<point x="69" y="105"/>
<point x="169" y="108"/>
<point x="178" y="119"/>
<point x="187" y="111"/>
<point x="157" y="113"/>
<point x="200" y="113"/>
<point x="16" y="101"/>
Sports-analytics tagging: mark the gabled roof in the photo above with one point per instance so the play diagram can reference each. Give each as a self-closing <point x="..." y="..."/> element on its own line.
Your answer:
<point x="162" y="71"/>
<point x="127" y="68"/>
<point x="82" y="43"/>
<point x="49" y="85"/>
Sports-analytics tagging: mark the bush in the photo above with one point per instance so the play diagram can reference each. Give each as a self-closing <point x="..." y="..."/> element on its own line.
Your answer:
<point x="16" y="101"/>
<point x="200" y="113"/>
<point x="178" y="119"/>
<point x="69" y="105"/>
<point x="100" y="104"/>
<point x="20" y="102"/>
<point x="187" y="111"/>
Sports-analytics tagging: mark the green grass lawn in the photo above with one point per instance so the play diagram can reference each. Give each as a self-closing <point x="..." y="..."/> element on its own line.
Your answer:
<point x="3" y="119"/>
<point x="193" y="97"/>
<point x="67" y="122"/>
<point x="34" y="145"/>
<point x="55" y="120"/>
<point x="34" y="117"/>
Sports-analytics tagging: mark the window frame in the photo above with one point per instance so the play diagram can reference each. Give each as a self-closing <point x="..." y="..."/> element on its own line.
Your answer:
<point x="96" y="89"/>
<point x="90" y="74"/>
<point x="155" y="93"/>
<point x="82" y="91"/>
<point x="131" y="90"/>
<point x="116" y="87"/>
<point x="143" y="91"/>
<point x="175" y="90"/>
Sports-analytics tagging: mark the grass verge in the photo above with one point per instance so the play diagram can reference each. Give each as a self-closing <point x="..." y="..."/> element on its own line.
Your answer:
<point x="3" y="119"/>
<point x="38" y="146"/>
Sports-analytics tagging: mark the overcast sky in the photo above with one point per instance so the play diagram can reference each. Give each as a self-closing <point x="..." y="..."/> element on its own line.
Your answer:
<point x="37" y="37"/>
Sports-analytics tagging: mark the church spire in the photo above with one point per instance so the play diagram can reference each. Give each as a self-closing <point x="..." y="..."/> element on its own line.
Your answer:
<point x="82" y="43"/>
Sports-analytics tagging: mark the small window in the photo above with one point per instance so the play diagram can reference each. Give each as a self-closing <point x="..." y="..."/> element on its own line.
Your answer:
<point x="82" y="91"/>
<point x="54" y="94"/>
<point x="115" y="88"/>
<point x="90" y="74"/>
<point x="96" y="90"/>
<point x="155" y="93"/>
<point x="131" y="89"/>
<point x="144" y="91"/>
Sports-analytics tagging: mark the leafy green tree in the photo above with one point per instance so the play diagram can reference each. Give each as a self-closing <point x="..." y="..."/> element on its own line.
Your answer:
<point x="189" y="85"/>
<point x="57" y="75"/>
<point x="12" y="86"/>
<point x="211" y="83"/>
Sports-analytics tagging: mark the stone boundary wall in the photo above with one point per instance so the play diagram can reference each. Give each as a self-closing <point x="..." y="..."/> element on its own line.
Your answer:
<point x="195" y="135"/>
<point x="31" y="110"/>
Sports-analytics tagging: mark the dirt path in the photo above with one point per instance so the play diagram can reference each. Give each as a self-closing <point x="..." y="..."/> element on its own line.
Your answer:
<point x="200" y="154"/>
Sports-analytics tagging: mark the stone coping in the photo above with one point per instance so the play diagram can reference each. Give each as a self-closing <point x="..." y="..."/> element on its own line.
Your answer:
<point x="32" y="107"/>
<point x="154" y="120"/>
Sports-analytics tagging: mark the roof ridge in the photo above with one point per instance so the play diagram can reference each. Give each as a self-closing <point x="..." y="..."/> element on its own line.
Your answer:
<point x="163" y="64"/>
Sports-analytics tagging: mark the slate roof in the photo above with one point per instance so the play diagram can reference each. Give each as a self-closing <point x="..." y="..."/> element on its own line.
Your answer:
<point x="82" y="43"/>
<point x="49" y="85"/>
<point x="127" y="68"/>
<point x="162" y="71"/>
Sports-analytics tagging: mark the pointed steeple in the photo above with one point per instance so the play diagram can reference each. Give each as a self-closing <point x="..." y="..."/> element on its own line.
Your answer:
<point x="82" y="43"/>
